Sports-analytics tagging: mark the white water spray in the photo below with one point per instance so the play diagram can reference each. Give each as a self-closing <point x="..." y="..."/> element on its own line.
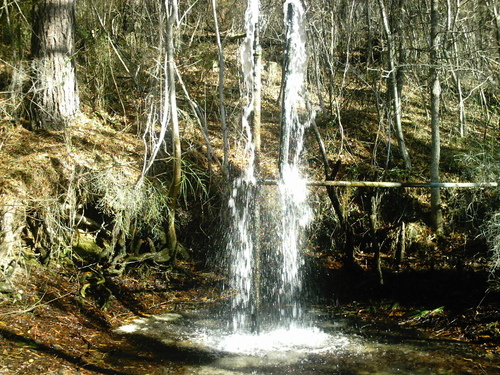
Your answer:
<point x="295" y="66"/>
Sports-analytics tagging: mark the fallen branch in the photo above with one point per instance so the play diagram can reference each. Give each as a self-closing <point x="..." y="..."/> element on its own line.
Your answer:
<point x="36" y="305"/>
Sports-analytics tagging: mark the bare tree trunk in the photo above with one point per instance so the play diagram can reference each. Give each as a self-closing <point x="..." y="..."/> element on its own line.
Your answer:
<point x="369" y="36"/>
<point x="330" y="175"/>
<point x="170" y="95"/>
<point x="401" y="246"/>
<point x="317" y="75"/>
<point x="55" y="99"/>
<point x="456" y="73"/>
<point x="437" y="216"/>
<point x="495" y="12"/>
<point x="221" y="93"/>
<point x="400" y="75"/>
<point x="374" y="205"/>
<point x="10" y="229"/>
<point x="201" y="119"/>
<point x="393" y="85"/>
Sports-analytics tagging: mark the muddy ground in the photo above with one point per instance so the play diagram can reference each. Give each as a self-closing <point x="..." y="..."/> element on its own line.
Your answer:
<point x="48" y="327"/>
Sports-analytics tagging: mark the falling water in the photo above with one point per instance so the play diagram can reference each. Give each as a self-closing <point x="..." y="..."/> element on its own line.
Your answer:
<point x="267" y="326"/>
<point x="241" y="244"/>
<point x="265" y="267"/>
<point x="295" y="212"/>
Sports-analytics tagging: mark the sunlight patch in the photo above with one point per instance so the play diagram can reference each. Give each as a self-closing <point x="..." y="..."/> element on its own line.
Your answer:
<point x="129" y="328"/>
<point x="137" y="325"/>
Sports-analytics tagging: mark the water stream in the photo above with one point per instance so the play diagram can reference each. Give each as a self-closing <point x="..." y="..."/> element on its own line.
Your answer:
<point x="295" y="213"/>
<point x="243" y="202"/>
<point x="265" y="249"/>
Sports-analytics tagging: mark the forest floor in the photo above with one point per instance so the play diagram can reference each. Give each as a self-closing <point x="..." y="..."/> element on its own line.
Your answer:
<point x="50" y="328"/>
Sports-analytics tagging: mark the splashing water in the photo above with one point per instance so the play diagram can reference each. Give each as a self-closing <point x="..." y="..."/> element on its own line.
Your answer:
<point x="281" y="340"/>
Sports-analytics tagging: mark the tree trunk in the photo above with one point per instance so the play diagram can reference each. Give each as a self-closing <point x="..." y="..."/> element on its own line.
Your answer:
<point x="348" y="246"/>
<point x="392" y="82"/>
<point x="400" y="70"/>
<point x="55" y="99"/>
<point x="10" y="229"/>
<point x="225" y="136"/>
<point x="170" y="97"/>
<point x="401" y="246"/>
<point x="456" y="72"/>
<point x="437" y="217"/>
<point x="374" y="206"/>
<point x="495" y="13"/>
<point x="369" y="36"/>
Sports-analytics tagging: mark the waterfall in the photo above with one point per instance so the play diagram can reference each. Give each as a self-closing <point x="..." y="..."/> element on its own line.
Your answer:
<point x="294" y="69"/>
<point x="295" y="212"/>
<point x="265" y="258"/>
<point x="244" y="194"/>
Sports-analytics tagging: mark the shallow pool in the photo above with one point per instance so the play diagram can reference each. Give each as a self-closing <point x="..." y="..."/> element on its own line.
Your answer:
<point x="199" y="343"/>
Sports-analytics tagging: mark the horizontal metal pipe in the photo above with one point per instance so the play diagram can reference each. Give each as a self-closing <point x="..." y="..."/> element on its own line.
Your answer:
<point x="395" y="184"/>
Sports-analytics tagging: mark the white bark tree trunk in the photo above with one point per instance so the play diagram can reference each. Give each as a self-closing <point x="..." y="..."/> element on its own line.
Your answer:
<point x="393" y="86"/>
<point x="11" y="218"/>
<point x="221" y="93"/>
<point x="170" y="99"/>
<point x="437" y="215"/>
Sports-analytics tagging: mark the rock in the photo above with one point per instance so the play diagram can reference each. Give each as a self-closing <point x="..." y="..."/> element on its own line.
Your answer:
<point x="86" y="247"/>
<point x="6" y="288"/>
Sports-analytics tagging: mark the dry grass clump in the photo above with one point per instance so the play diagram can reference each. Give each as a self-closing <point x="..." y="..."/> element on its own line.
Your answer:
<point x="493" y="235"/>
<point x="133" y="206"/>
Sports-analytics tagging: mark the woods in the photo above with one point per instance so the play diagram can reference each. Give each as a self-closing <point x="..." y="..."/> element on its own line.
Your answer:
<point x="121" y="135"/>
<point x="374" y="61"/>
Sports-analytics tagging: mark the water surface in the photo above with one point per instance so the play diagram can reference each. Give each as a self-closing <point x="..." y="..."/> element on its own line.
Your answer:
<point x="200" y="342"/>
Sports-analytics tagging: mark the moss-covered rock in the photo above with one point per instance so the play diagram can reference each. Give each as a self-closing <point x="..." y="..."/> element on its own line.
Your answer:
<point x="86" y="247"/>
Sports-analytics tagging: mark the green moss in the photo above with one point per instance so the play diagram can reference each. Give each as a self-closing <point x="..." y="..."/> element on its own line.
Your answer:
<point x="86" y="247"/>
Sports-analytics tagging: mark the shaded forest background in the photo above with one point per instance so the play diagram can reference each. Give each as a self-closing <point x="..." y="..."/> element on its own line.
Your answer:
<point x="96" y="193"/>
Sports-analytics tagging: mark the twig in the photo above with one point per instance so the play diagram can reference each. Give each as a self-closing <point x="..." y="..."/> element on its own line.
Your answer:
<point x="35" y="305"/>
